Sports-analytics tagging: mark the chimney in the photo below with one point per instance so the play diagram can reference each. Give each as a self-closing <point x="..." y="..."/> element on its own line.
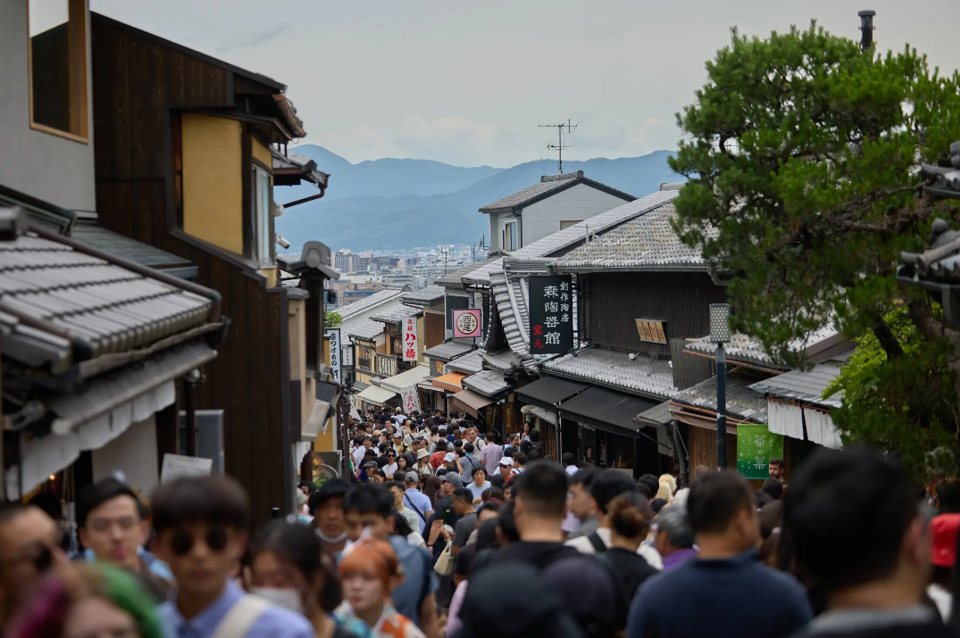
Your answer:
<point x="866" y="28"/>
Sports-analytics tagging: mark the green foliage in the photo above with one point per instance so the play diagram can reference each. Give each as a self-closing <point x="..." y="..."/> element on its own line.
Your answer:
<point x="799" y="151"/>
<point x="333" y="319"/>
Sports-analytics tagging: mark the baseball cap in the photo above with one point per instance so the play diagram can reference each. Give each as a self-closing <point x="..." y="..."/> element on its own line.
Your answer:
<point x="943" y="539"/>
<point x="450" y="457"/>
<point x="411" y="477"/>
<point x="453" y="477"/>
<point x="332" y="488"/>
<point x="506" y="462"/>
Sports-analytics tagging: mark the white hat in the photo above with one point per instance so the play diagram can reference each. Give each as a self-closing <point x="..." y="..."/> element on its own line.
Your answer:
<point x="450" y="457"/>
<point x="506" y="462"/>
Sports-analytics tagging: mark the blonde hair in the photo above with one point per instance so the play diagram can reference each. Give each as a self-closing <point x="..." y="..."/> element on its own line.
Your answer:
<point x="664" y="491"/>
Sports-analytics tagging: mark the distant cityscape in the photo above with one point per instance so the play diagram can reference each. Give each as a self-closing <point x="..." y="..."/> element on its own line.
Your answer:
<point x="365" y="273"/>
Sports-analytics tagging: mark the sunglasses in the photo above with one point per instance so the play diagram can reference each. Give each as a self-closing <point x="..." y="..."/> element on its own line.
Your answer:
<point x="182" y="541"/>
<point x="42" y="559"/>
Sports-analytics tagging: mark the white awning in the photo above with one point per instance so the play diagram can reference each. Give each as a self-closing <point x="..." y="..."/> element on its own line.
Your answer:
<point x="112" y="402"/>
<point x="788" y="419"/>
<point x="376" y="395"/>
<point x="316" y="422"/>
<point x="406" y="379"/>
<point x="820" y="428"/>
<point x="785" y="419"/>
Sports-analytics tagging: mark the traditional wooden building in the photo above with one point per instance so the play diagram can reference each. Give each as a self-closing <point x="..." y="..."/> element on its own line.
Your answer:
<point x="185" y="156"/>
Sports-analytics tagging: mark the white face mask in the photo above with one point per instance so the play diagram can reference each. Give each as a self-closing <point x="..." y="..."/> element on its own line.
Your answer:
<point x="285" y="598"/>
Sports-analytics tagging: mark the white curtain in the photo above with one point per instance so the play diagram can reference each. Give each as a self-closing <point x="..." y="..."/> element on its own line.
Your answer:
<point x="785" y="419"/>
<point x="820" y="428"/>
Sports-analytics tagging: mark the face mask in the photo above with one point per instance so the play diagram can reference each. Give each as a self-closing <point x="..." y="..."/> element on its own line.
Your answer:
<point x="331" y="539"/>
<point x="284" y="598"/>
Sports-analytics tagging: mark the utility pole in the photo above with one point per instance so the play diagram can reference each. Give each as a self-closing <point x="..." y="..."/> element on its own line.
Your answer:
<point x="559" y="145"/>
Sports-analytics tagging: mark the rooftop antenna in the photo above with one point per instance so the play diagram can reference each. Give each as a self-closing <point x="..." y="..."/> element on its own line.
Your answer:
<point x="559" y="145"/>
<point x="866" y="27"/>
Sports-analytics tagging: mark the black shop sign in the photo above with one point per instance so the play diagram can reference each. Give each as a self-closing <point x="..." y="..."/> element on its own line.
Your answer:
<point x="551" y="314"/>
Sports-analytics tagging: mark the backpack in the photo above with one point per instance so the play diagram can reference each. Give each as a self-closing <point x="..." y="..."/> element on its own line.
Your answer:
<point x="598" y="545"/>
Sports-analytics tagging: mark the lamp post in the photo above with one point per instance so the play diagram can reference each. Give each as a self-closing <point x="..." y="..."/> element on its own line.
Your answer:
<point x="720" y="334"/>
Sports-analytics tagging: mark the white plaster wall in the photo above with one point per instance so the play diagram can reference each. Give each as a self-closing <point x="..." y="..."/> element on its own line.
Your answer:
<point x="46" y="166"/>
<point x="574" y="204"/>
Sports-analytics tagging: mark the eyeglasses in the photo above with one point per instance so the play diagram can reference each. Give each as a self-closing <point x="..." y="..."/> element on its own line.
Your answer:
<point x="182" y="541"/>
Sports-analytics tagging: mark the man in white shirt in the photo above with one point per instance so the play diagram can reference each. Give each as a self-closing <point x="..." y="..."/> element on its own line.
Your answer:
<point x="570" y="463"/>
<point x="360" y="450"/>
<point x="605" y="487"/>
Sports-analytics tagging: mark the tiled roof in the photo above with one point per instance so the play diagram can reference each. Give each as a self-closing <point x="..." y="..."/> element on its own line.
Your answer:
<point x="748" y="350"/>
<point x="547" y="185"/>
<point x="471" y="363"/>
<point x="804" y="386"/>
<point x="508" y="286"/>
<point x="546" y="415"/>
<point x="395" y="313"/>
<point x="454" y="278"/>
<point x="448" y="350"/>
<point x="423" y="296"/>
<point x="643" y="375"/>
<point x="742" y="402"/>
<point x="554" y="244"/>
<point x="489" y="383"/>
<point x="646" y="242"/>
<point x="365" y="329"/>
<point x="504" y="361"/>
<point x="366" y="303"/>
<point x="72" y="296"/>
<point x="95" y="235"/>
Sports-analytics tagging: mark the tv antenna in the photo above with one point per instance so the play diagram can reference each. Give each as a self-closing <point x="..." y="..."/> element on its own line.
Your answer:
<point x="559" y="145"/>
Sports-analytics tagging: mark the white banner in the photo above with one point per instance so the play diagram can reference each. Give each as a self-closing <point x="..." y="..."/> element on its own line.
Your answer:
<point x="336" y="354"/>
<point x="348" y="355"/>
<point x="411" y="399"/>
<point x="410" y="339"/>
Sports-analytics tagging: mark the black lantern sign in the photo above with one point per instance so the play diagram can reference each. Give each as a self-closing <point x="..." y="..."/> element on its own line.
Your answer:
<point x="551" y="314"/>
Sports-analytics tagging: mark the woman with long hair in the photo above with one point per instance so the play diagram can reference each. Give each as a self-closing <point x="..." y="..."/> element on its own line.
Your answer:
<point x="628" y="517"/>
<point x="369" y="572"/>
<point x="288" y="569"/>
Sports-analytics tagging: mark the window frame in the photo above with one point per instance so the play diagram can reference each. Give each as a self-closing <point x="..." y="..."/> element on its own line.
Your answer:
<point x="512" y="235"/>
<point x="79" y="85"/>
<point x="262" y="237"/>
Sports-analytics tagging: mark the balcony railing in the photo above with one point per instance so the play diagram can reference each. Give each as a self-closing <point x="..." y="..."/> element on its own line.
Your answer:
<point x="387" y="365"/>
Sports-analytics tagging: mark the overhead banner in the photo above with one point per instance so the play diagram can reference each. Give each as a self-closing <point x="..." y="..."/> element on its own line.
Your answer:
<point x="410" y="339"/>
<point x="411" y="399"/>
<point x="466" y="323"/>
<point x="551" y="314"/>
<point x="756" y="445"/>
<point x="336" y="354"/>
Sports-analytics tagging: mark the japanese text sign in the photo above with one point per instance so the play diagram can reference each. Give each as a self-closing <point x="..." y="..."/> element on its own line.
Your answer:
<point x="551" y="314"/>
<point x="409" y="339"/>
<point x="336" y="354"/>
<point x="756" y="445"/>
<point x="651" y="330"/>
<point x="466" y="323"/>
<point x="411" y="399"/>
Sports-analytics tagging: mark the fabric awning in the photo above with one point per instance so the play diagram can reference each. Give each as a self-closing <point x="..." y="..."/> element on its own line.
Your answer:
<point x="471" y="401"/>
<point x="657" y="415"/>
<point x="606" y="410"/>
<point x="549" y="416"/>
<point x="452" y="382"/>
<point x="406" y="379"/>
<point x="376" y="395"/>
<point x="546" y="392"/>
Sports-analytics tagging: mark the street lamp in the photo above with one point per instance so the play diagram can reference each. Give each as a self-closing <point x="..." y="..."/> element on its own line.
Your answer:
<point x="720" y="334"/>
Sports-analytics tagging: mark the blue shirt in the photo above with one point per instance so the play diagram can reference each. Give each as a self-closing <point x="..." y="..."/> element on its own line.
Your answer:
<point x="419" y="579"/>
<point x="417" y="500"/>
<point x="737" y="597"/>
<point x="156" y="566"/>
<point x="272" y="623"/>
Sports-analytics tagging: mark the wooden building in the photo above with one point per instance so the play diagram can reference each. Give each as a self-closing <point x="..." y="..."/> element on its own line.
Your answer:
<point x="185" y="149"/>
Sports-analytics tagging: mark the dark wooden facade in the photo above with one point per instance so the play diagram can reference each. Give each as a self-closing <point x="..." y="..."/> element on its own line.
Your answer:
<point x="613" y="301"/>
<point x="140" y="83"/>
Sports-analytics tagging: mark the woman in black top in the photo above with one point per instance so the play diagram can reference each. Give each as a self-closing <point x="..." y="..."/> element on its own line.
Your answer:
<point x="628" y="516"/>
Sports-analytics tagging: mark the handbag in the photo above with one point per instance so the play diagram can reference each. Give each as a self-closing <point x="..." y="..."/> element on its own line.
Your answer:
<point x="444" y="564"/>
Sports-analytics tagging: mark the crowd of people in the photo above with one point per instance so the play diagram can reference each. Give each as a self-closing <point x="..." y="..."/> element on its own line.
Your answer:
<point x="440" y="531"/>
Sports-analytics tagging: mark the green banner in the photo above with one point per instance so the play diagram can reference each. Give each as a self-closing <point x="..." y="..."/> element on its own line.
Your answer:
<point x="756" y="445"/>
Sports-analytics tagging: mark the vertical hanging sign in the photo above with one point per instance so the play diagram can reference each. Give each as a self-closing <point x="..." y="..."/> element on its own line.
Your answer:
<point x="551" y="314"/>
<point x="410" y="339"/>
<point x="411" y="399"/>
<point x="336" y="354"/>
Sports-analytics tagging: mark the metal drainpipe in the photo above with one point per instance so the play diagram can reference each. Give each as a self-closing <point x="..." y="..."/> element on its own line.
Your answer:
<point x="681" y="454"/>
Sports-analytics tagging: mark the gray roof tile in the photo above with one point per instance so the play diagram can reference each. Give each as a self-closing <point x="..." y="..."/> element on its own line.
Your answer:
<point x="504" y="361"/>
<point x="395" y="313"/>
<point x="470" y="363"/>
<point x="802" y="385"/>
<point x="748" y="350"/>
<point x="95" y="235"/>
<point x="489" y="383"/>
<point x="645" y="242"/>
<point x="365" y="329"/>
<point x="448" y="350"/>
<point x="547" y="185"/>
<point x="455" y="278"/>
<point x="423" y="296"/>
<point x="366" y="303"/>
<point x="742" y="402"/>
<point x="643" y="376"/>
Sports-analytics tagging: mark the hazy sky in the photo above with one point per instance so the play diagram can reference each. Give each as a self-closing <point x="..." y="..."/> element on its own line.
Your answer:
<point x="468" y="82"/>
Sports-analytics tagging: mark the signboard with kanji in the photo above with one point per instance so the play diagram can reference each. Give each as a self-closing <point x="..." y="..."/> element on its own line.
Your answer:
<point x="551" y="314"/>
<point x="652" y="330"/>
<point x="336" y="354"/>
<point x="756" y="445"/>
<point x="411" y="399"/>
<point x="466" y="323"/>
<point x="410" y="339"/>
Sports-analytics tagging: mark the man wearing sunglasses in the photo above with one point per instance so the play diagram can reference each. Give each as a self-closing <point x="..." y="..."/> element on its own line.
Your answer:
<point x="202" y="530"/>
<point x="29" y="547"/>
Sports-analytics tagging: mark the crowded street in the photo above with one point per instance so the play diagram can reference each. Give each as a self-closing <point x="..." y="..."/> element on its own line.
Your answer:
<point x="387" y="353"/>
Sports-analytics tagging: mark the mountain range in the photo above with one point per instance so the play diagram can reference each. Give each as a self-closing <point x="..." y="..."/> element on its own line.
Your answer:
<point x="391" y="204"/>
